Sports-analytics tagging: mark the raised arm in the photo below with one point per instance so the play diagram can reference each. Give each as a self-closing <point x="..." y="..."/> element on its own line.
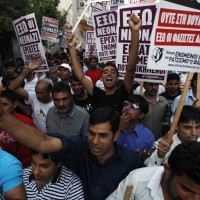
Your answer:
<point x="15" y="85"/>
<point x="88" y="85"/>
<point x="135" y="25"/>
<point x="28" y="135"/>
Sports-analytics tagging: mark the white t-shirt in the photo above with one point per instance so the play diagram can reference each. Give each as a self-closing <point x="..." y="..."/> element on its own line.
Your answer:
<point x="39" y="111"/>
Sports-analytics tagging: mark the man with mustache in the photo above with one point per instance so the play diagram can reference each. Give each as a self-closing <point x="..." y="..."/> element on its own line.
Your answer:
<point x="158" y="105"/>
<point x="65" y="117"/>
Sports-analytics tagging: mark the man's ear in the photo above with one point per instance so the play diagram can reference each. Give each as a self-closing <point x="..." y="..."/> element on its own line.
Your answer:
<point x="141" y="116"/>
<point x="15" y="104"/>
<point x="116" y="136"/>
<point x="167" y="170"/>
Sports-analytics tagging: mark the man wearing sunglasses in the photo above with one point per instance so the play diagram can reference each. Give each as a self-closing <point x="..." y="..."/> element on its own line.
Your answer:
<point x="134" y="135"/>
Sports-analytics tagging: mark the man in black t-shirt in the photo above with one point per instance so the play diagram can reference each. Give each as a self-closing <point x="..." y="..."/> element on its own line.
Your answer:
<point x="112" y="96"/>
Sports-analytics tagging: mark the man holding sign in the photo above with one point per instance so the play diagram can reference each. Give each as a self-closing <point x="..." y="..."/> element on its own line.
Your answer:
<point x="112" y="96"/>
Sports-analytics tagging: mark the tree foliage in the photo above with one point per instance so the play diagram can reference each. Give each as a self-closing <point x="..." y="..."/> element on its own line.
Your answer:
<point x="14" y="9"/>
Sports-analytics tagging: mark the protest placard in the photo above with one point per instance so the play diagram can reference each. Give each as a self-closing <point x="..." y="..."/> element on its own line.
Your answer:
<point x="105" y="24"/>
<point x="62" y="43"/>
<point x="175" y="42"/>
<point x="94" y="8"/>
<point x="115" y="3"/>
<point x="49" y="29"/>
<point x="90" y="40"/>
<point x="146" y="12"/>
<point x="29" y="40"/>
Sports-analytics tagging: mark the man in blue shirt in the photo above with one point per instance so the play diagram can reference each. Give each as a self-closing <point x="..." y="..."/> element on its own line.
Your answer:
<point x="99" y="162"/>
<point x="11" y="186"/>
<point x="135" y="136"/>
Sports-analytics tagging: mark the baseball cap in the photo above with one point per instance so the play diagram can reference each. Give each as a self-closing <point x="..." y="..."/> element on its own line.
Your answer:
<point x="65" y="66"/>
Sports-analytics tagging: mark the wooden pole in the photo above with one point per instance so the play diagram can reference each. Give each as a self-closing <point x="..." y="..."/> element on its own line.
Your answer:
<point x="179" y="108"/>
<point x="128" y="191"/>
<point x="198" y="90"/>
<point x="141" y="87"/>
<point x="77" y="23"/>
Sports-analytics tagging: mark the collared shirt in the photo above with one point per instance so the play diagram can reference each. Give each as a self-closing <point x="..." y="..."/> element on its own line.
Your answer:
<point x="74" y="126"/>
<point x="154" y="119"/>
<point x="64" y="185"/>
<point x="146" y="185"/>
<point x="139" y="138"/>
<point x="189" y="100"/>
<point x="154" y="160"/>
<point x="98" y="180"/>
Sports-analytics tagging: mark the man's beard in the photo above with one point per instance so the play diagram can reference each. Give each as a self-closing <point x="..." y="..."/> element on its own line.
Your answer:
<point x="63" y="110"/>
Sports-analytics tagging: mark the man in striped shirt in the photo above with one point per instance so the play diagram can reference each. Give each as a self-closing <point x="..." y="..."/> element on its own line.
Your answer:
<point x="48" y="179"/>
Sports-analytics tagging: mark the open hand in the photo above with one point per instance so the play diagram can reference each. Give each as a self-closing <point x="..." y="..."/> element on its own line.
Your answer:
<point x="35" y="63"/>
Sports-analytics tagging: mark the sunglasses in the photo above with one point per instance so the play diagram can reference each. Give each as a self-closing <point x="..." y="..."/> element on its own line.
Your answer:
<point x="132" y="105"/>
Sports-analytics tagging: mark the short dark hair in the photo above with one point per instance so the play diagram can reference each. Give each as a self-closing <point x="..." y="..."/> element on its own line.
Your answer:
<point x="46" y="156"/>
<point x="61" y="87"/>
<point x="189" y="113"/>
<point x="93" y="58"/>
<point x="173" y="76"/>
<point x="10" y="95"/>
<point x="185" y="160"/>
<point x="141" y="101"/>
<point x="106" y="114"/>
<point x="73" y="78"/>
<point x="110" y="64"/>
<point x="9" y="63"/>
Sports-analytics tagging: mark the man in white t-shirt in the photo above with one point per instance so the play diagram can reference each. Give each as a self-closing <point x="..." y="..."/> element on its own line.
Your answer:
<point x="41" y="100"/>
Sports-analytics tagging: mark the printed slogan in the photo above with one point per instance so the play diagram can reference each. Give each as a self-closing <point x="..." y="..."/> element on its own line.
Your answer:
<point x="176" y="41"/>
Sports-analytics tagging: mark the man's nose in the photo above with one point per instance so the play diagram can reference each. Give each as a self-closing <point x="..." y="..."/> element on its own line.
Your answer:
<point x="96" y="140"/>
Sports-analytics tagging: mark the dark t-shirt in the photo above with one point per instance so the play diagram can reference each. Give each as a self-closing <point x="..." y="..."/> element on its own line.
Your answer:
<point x="86" y="104"/>
<point x="6" y="80"/>
<point x="115" y="100"/>
<point x="99" y="181"/>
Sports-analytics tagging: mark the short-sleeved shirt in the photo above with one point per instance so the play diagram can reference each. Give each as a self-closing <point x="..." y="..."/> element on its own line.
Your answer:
<point x="10" y="172"/>
<point x="64" y="185"/>
<point x="20" y="151"/>
<point x="100" y="99"/>
<point x="75" y="125"/>
<point x="86" y="104"/>
<point x="98" y="180"/>
<point x="94" y="74"/>
<point x="39" y="111"/>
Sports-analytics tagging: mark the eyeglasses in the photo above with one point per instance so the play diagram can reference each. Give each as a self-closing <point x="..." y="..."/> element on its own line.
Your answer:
<point x="132" y="105"/>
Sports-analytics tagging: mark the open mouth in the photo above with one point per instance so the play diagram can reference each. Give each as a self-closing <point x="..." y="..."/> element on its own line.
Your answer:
<point x="109" y="80"/>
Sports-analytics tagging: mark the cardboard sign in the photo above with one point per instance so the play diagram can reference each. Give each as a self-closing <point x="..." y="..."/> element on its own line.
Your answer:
<point x="175" y="41"/>
<point x="29" y="40"/>
<point x="105" y="24"/>
<point x="49" y="29"/>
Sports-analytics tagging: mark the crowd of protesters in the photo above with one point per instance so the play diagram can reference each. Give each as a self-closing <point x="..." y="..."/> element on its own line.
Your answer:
<point x="78" y="131"/>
